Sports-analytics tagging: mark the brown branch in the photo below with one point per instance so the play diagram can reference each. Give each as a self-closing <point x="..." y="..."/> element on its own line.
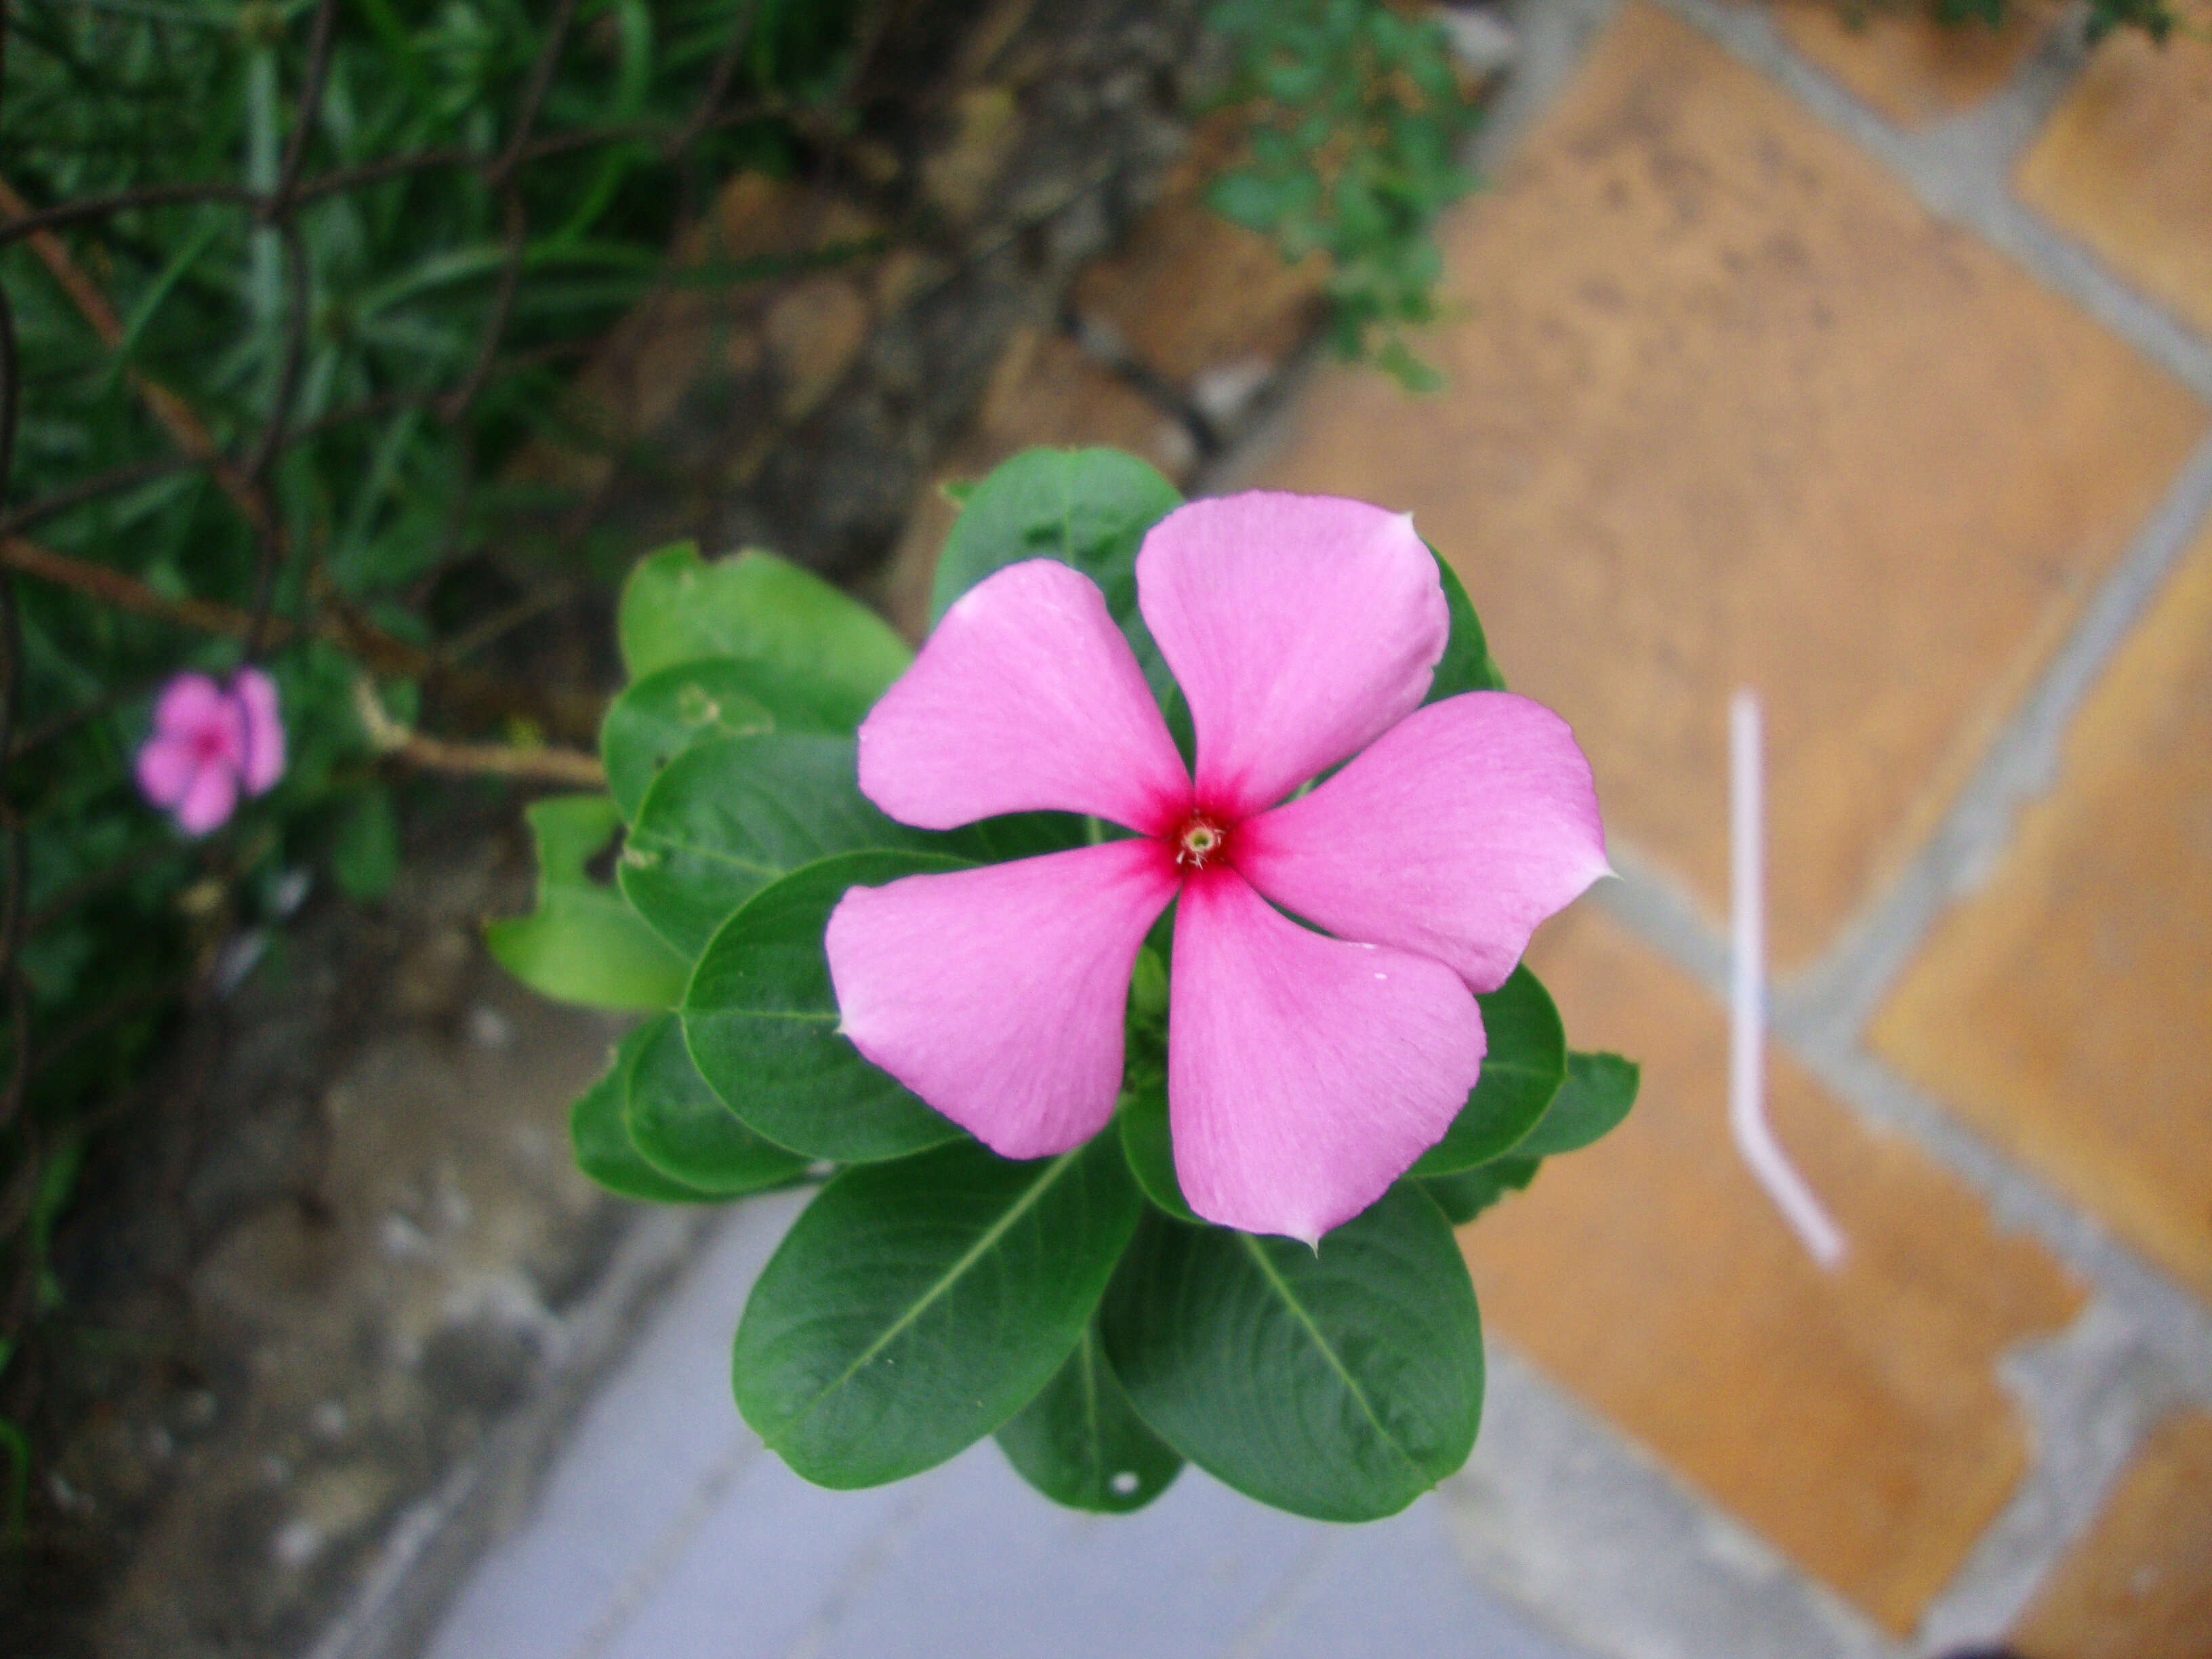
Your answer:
<point x="126" y="592"/>
<point x="572" y="715"/>
<point x="186" y="428"/>
<point x="535" y="762"/>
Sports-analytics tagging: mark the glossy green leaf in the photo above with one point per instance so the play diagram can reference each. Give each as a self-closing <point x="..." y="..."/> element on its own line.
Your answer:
<point x="680" y="1126"/>
<point x="761" y="1020"/>
<point x="677" y="607"/>
<point x="1081" y="1445"/>
<point x="1467" y="665"/>
<point x="582" y="943"/>
<point x="667" y="713"/>
<point x="1527" y="1059"/>
<point x="728" y="817"/>
<point x="1086" y="507"/>
<point x="915" y="1306"/>
<point x="1143" y="1121"/>
<point x="1466" y="1194"/>
<point x="1340" y="1383"/>
<point x="1599" y="1090"/>
<point x="601" y="1137"/>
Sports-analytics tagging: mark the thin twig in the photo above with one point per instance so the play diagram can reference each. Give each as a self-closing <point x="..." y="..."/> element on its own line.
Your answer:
<point x="567" y="713"/>
<point x="189" y="432"/>
<point x="311" y="104"/>
<point x="541" y="82"/>
<point x="538" y="763"/>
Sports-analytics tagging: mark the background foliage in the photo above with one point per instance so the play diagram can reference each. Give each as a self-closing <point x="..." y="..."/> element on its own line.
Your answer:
<point x="283" y="284"/>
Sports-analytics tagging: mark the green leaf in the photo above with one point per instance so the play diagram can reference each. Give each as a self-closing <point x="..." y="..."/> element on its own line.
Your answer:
<point x="364" y="851"/>
<point x="582" y="943"/>
<point x="1467" y="665"/>
<point x="670" y="710"/>
<point x="1086" y="507"/>
<point x="1339" y="1384"/>
<point x="666" y="713"/>
<point x="1466" y="1195"/>
<point x="1081" y="1445"/>
<point x="1143" y="1117"/>
<point x="676" y="608"/>
<point x="602" y="1142"/>
<point x="1598" y="1091"/>
<point x="680" y="1128"/>
<point x="1523" y="1070"/>
<point x="730" y="816"/>
<point x="762" y="1022"/>
<point x="915" y="1306"/>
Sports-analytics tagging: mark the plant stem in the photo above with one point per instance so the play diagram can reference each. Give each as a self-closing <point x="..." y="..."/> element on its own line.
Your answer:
<point x="542" y="765"/>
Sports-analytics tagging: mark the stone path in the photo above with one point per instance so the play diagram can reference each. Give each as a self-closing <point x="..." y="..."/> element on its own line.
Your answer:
<point x="1871" y="367"/>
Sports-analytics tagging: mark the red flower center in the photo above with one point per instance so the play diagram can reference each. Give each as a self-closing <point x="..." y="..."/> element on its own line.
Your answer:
<point x="1199" y="840"/>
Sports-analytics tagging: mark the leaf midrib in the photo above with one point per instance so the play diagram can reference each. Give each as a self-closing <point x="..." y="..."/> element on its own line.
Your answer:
<point x="1283" y="1289"/>
<point x="945" y="1281"/>
<point x="662" y="840"/>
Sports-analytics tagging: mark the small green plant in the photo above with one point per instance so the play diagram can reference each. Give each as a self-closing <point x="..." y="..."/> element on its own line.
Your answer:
<point x="1357" y="118"/>
<point x="1115" y="1159"/>
<point x="283" y="284"/>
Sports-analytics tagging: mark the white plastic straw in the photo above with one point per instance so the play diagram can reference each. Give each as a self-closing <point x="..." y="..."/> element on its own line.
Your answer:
<point x="1747" y="991"/>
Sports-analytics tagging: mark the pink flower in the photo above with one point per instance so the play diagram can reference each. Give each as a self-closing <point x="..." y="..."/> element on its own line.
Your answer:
<point x="1305" y="1072"/>
<point x="209" y="742"/>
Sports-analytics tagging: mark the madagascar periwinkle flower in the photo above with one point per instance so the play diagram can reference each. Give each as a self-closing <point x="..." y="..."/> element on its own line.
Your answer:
<point x="210" y="742"/>
<point x="1308" y="1066"/>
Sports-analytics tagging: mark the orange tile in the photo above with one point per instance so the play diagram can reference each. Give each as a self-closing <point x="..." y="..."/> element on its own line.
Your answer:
<point x="2126" y="163"/>
<point x="2139" y="1586"/>
<point x="1854" y="1420"/>
<point x="1727" y="407"/>
<point x="1902" y="61"/>
<point x="2066" y="1009"/>
<point x="1189" y="291"/>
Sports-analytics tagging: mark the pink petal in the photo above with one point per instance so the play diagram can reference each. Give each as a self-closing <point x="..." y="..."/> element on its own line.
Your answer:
<point x="998" y="994"/>
<point x="1299" y="627"/>
<point x="167" y="767"/>
<point x="1025" y="698"/>
<point x="1304" y="1074"/>
<point x="190" y="703"/>
<point x="1453" y="835"/>
<point x="208" y="801"/>
<point x="262" y="737"/>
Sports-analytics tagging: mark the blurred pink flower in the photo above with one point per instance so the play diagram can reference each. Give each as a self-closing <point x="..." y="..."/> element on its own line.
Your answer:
<point x="209" y="742"/>
<point x="1305" y="1072"/>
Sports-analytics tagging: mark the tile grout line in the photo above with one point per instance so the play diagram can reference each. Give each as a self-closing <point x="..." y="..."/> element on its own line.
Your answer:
<point x="2141" y="1342"/>
<point x="1960" y="171"/>
<point x="2019" y="765"/>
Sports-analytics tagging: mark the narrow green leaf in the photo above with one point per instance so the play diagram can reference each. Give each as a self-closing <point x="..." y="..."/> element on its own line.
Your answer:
<point x="1466" y="1194"/>
<point x="582" y="944"/>
<point x="676" y="607"/>
<point x="1596" y="1096"/>
<point x="1523" y="1070"/>
<point x="1339" y="1384"/>
<point x="915" y="1306"/>
<point x="760" y="1019"/>
<point x="365" y="851"/>
<point x="680" y="1126"/>
<point x="1467" y="665"/>
<point x="602" y="1141"/>
<point x="1081" y="1445"/>
<point x="729" y="815"/>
